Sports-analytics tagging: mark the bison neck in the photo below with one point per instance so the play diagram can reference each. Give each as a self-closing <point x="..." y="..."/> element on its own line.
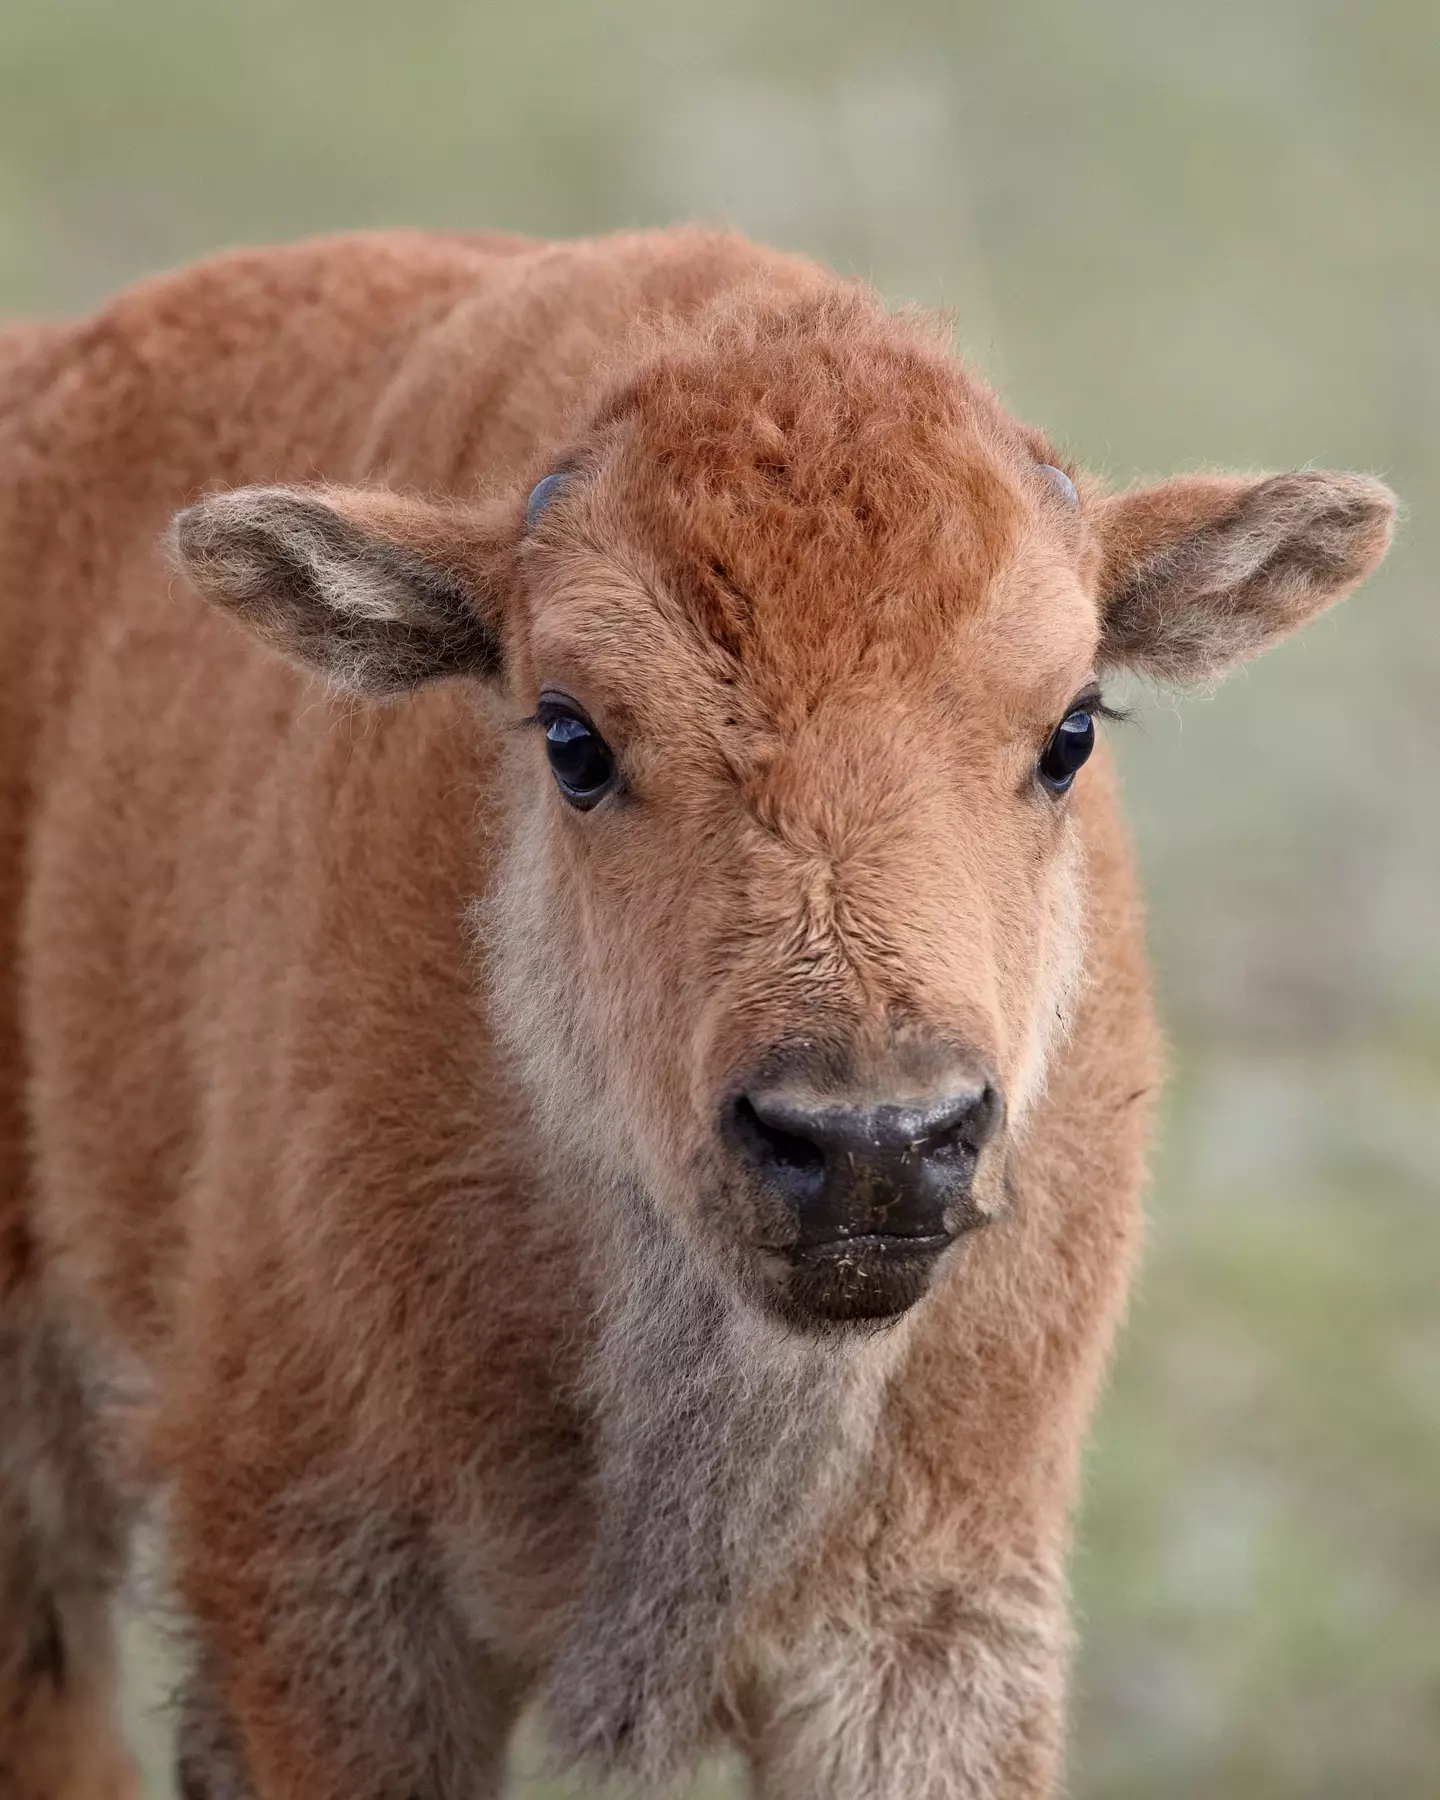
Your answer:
<point x="723" y="1442"/>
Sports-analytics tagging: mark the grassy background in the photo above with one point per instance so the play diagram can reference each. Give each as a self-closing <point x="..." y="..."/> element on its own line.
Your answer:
<point x="1177" y="235"/>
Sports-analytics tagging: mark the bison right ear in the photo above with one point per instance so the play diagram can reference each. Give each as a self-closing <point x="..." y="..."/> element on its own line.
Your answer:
<point x="373" y="590"/>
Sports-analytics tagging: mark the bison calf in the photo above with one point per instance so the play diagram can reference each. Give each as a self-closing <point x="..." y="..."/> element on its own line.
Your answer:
<point x="575" y="1043"/>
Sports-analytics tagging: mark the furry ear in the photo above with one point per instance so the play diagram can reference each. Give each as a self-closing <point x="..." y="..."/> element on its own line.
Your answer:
<point x="376" y="591"/>
<point x="1201" y="572"/>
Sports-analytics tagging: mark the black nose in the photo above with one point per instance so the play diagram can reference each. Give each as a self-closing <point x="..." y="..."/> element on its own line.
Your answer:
<point x="893" y="1170"/>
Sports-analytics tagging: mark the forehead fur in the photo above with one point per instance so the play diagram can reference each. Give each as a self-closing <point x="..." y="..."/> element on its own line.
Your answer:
<point x="812" y="466"/>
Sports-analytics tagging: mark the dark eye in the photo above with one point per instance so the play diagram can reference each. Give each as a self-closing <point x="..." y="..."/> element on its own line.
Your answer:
<point x="580" y="758"/>
<point x="1067" y="751"/>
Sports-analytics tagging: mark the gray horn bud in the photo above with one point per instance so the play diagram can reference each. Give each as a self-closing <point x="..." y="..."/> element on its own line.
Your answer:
<point x="541" y="495"/>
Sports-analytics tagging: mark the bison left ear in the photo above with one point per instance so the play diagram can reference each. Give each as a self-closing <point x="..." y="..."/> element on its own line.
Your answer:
<point x="375" y="591"/>
<point x="1201" y="572"/>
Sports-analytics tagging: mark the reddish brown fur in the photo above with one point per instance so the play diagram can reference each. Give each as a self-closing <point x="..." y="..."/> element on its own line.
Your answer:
<point x="430" y="1312"/>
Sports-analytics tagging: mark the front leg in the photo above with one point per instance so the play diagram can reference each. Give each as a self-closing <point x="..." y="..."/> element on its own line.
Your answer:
<point x="391" y="1756"/>
<point x="328" y="1663"/>
<point x="935" y="1691"/>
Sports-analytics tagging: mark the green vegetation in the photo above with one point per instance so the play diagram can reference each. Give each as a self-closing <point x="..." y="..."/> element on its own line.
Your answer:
<point x="1176" y="235"/>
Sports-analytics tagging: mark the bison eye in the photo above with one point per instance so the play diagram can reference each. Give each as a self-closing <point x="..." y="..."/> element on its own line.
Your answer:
<point x="580" y="759"/>
<point x="1067" y="751"/>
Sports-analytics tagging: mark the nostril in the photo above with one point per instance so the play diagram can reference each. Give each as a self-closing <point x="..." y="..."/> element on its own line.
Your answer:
<point x="786" y="1152"/>
<point x="968" y="1122"/>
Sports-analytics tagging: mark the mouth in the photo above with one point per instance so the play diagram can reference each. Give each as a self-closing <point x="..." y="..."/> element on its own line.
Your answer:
<point x="868" y="1246"/>
<point x="871" y="1276"/>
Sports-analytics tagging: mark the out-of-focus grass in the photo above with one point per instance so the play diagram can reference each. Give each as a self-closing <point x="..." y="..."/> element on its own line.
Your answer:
<point x="1178" y="235"/>
<point x="1257" y="1582"/>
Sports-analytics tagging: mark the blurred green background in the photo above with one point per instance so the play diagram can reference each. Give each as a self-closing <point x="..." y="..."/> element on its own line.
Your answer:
<point x="1176" y="235"/>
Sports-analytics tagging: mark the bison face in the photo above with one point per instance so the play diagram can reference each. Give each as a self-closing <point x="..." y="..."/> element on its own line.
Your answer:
<point x="801" y="646"/>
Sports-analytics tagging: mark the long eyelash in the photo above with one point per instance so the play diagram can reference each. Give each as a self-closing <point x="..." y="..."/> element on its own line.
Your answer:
<point x="1093" y="701"/>
<point x="532" y="723"/>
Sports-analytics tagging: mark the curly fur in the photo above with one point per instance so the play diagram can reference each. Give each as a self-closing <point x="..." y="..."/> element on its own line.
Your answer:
<point x="365" y="1194"/>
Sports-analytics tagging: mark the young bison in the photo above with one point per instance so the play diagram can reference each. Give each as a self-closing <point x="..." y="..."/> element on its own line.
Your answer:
<point x="601" y="1170"/>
